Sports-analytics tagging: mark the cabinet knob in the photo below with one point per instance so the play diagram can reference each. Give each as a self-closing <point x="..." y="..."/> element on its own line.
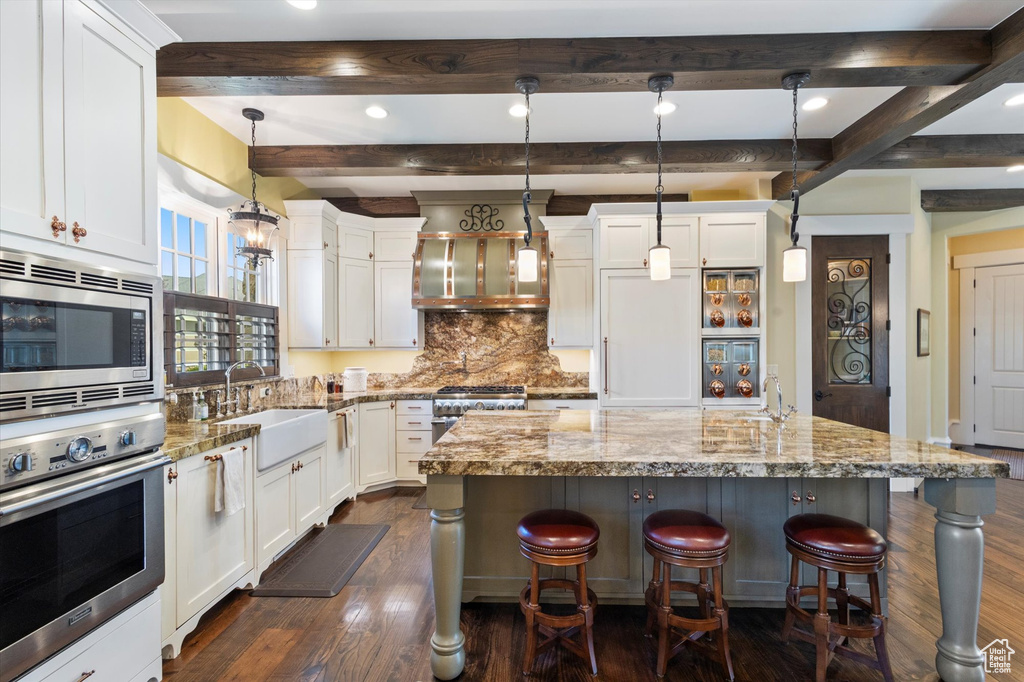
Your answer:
<point x="57" y="227"/>
<point x="392" y="406"/>
<point x="795" y="497"/>
<point x="552" y="340"/>
<point x="704" y="261"/>
<point x="636" y="495"/>
<point x="371" y="255"/>
<point x="811" y="499"/>
<point x="371" y="342"/>
<point x="293" y="467"/>
<point x="552" y="254"/>
<point x="414" y="342"/>
<point x="171" y="475"/>
<point x="325" y="245"/>
<point x="650" y="495"/>
<point x="78" y="232"/>
<point x="645" y="262"/>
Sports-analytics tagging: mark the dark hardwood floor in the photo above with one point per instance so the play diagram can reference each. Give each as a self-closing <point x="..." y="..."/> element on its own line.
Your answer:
<point x="379" y="627"/>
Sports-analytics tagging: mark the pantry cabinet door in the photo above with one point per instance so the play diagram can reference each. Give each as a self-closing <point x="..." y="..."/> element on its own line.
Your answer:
<point x="109" y="138"/>
<point x="308" y="496"/>
<point x="355" y="303"/>
<point x="571" y="315"/>
<point x="213" y="549"/>
<point x="680" y="234"/>
<point x="31" y="118"/>
<point x="274" y="513"/>
<point x="330" y="312"/>
<point x="732" y="240"/>
<point x="649" y="346"/>
<point x="376" y="443"/>
<point x="395" y="320"/>
<point x="339" y="460"/>
<point x="624" y="242"/>
<point x="306" y="300"/>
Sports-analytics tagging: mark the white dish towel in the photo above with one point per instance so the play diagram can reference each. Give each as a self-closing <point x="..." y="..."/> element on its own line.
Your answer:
<point x="347" y="416"/>
<point x="229" y="496"/>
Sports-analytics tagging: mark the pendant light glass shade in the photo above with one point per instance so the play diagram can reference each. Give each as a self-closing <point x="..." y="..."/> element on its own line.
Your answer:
<point x="660" y="258"/>
<point x="527" y="264"/>
<point x="794" y="264"/>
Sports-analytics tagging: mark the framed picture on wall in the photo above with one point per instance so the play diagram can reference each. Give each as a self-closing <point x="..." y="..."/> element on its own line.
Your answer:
<point x="924" y="335"/>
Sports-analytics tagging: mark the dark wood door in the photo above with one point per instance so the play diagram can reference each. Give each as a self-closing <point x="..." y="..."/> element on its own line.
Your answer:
<point x="850" y="340"/>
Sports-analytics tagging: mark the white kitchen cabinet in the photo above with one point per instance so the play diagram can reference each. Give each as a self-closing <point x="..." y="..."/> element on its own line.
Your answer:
<point x="339" y="459"/>
<point x="168" y="589"/>
<point x="312" y="298"/>
<point x="78" y="131"/>
<point x="213" y="549"/>
<point x="376" y="443"/>
<point x="355" y="303"/>
<point x="625" y="242"/>
<point x="395" y="245"/>
<point x="571" y="314"/>
<point x="313" y="224"/>
<point x="650" y="339"/>
<point x="570" y="244"/>
<point x="290" y="499"/>
<point x="569" y="404"/>
<point x="396" y="323"/>
<point x="732" y="240"/>
<point x="412" y="439"/>
<point x="354" y="241"/>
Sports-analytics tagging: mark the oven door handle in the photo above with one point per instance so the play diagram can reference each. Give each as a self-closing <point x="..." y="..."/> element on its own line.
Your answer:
<point x="82" y="485"/>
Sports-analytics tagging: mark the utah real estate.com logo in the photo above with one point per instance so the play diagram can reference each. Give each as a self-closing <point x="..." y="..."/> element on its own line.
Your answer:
<point x="997" y="656"/>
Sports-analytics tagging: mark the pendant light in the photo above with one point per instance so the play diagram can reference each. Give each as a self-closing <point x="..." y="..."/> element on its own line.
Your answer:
<point x="527" y="260"/>
<point x="794" y="259"/>
<point x="252" y="219"/>
<point x="659" y="255"/>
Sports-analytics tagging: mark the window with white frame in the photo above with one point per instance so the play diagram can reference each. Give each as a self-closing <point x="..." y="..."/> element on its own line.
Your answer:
<point x="186" y="235"/>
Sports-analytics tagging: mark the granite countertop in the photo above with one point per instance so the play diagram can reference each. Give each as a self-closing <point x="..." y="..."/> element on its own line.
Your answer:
<point x="192" y="438"/>
<point x="686" y="442"/>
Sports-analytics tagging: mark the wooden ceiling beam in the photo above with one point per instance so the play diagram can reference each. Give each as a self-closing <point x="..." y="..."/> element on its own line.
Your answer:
<point x="949" y="200"/>
<point x="558" y="204"/>
<point x="899" y="58"/>
<point x="915" y="108"/>
<point x="951" y="151"/>
<point x="552" y="158"/>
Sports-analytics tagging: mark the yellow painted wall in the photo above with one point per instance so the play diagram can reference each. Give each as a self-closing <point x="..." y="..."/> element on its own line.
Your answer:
<point x="194" y="141"/>
<point x="919" y="296"/>
<point x="1006" y="232"/>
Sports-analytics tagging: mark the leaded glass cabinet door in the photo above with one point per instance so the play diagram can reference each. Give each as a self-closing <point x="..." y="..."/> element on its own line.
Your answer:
<point x="849" y="320"/>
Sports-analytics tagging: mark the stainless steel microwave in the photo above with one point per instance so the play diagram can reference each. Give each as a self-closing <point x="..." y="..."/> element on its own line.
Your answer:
<point x="76" y="337"/>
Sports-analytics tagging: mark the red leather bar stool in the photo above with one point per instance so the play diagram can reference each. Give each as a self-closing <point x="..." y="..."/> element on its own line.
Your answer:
<point x="832" y="543"/>
<point x="688" y="539"/>
<point x="558" y="537"/>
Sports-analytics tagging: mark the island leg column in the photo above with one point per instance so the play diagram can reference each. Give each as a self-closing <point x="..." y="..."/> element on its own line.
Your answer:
<point x="959" y="553"/>
<point x="447" y="554"/>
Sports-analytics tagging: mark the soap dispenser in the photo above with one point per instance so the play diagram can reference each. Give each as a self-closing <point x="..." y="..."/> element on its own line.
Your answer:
<point x="204" y="408"/>
<point x="197" y="414"/>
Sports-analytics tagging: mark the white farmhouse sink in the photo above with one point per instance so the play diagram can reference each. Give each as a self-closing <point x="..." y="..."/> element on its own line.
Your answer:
<point x="285" y="433"/>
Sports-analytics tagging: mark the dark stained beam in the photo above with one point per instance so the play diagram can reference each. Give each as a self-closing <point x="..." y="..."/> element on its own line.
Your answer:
<point x="378" y="207"/>
<point x="918" y="58"/>
<point x="949" y="200"/>
<point x="915" y="108"/>
<point x="951" y="151"/>
<point x="545" y="158"/>
<point x="579" y="204"/>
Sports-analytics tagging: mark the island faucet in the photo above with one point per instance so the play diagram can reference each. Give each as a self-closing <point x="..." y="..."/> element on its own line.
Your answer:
<point x="227" y="384"/>
<point x="778" y="417"/>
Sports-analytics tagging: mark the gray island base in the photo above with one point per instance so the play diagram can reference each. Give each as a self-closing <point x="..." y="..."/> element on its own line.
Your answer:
<point x="620" y="465"/>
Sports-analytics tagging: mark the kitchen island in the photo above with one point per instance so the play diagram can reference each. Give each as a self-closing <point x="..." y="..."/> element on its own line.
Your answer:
<point x="620" y="465"/>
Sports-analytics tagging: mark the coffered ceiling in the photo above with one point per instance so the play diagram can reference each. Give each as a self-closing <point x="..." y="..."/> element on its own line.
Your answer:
<point x="725" y="90"/>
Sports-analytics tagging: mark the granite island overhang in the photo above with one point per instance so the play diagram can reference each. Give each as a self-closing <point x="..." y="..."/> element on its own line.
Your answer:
<point x="620" y="465"/>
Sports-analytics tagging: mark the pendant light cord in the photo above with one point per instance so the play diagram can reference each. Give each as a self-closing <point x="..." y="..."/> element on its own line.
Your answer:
<point x="256" y="206"/>
<point x="660" y="188"/>
<point x="526" y="194"/>
<point x="794" y="193"/>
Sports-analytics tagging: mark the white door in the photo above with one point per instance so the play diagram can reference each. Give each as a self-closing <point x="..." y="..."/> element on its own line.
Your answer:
<point x="31" y="118"/>
<point x="395" y="320"/>
<point x="376" y="443"/>
<point x="649" y="339"/>
<point x="679" y="233"/>
<point x="308" y="497"/>
<point x="109" y="137"/>
<point x="732" y="240"/>
<point x="306" y="277"/>
<point x="355" y="303"/>
<point x="394" y="246"/>
<point x="624" y="242"/>
<point x="999" y="356"/>
<point x="274" y="513"/>
<point x="338" y="462"/>
<point x="571" y="315"/>
<point x="330" y="286"/>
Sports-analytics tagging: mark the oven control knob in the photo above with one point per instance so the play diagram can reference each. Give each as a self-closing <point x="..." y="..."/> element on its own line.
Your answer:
<point x="463" y="407"/>
<point x="127" y="438"/>
<point x="446" y="408"/>
<point x="479" y="405"/>
<point x="501" y="406"/>
<point x="79" y="449"/>
<point x="20" y="463"/>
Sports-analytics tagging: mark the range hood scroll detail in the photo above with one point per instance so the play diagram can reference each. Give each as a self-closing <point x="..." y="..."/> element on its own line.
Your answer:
<point x="476" y="271"/>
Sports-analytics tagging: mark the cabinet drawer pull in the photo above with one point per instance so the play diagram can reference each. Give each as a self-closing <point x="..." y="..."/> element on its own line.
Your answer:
<point x="171" y="475"/>
<point x="811" y="499"/>
<point x="413" y="438"/>
<point x="795" y="497"/>
<point x="78" y="232"/>
<point x="636" y="495"/>
<point x="414" y="461"/>
<point x="57" y="227"/>
<point x="650" y="495"/>
<point x="86" y="676"/>
<point x="416" y="423"/>
<point x="414" y="407"/>
<point x="606" y="365"/>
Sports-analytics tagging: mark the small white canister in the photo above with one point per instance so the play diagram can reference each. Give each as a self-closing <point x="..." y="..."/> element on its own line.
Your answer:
<point x="355" y="379"/>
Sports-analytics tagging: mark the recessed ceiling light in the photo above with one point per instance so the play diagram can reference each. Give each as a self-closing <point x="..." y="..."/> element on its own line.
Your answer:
<point x="1015" y="101"/>
<point x="1016" y="169"/>
<point x="517" y="110"/>
<point x="302" y="4"/>
<point x="664" y="108"/>
<point x="376" y="112"/>
<point x="815" y="103"/>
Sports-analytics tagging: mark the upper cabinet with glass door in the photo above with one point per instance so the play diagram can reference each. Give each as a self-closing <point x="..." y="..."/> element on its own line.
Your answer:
<point x="78" y="130"/>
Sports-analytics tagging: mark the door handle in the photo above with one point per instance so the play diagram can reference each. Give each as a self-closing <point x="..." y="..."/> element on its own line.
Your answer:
<point x="819" y="396"/>
<point x="606" y="365"/>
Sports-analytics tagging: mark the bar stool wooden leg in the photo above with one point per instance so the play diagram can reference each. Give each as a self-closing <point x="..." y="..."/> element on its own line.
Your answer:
<point x="664" y="626"/>
<point x="821" y="626"/>
<point x="652" y="598"/>
<point x="587" y="610"/>
<point x="722" y="636"/>
<point x="792" y="599"/>
<point x="881" y="652"/>
<point x="704" y="594"/>
<point x="531" y="624"/>
<point x="843" y="600"/>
